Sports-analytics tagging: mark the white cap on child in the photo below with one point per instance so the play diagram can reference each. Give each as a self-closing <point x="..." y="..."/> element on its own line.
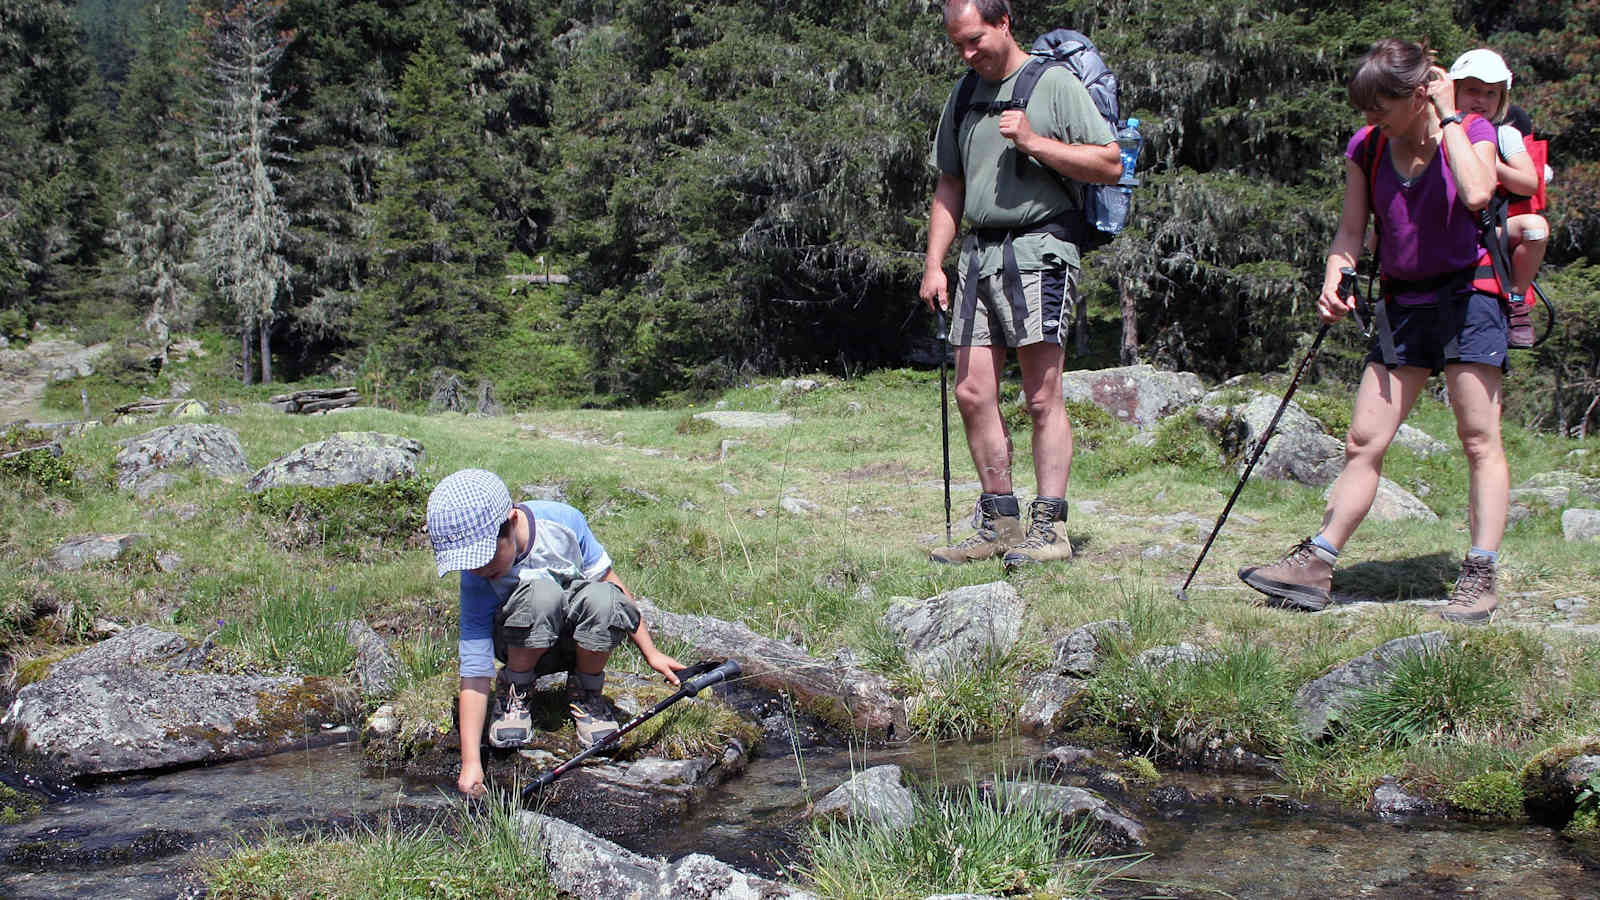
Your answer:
<point x="464" y="516"/>
<point x="1483" y="64"/>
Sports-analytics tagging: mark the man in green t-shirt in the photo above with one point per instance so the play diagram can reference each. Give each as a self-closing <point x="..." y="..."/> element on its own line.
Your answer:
<point x="1014" y="177"/>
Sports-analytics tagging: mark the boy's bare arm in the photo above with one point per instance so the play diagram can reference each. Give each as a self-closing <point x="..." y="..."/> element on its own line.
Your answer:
<point x="473" y="704"/>
<point x="641" y="638"/>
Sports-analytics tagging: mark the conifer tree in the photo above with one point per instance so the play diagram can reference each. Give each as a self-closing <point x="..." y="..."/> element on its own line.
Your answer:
<point x="246" y="224"/>
<point x="153" y="157"/>
<point x="439" y="255"/>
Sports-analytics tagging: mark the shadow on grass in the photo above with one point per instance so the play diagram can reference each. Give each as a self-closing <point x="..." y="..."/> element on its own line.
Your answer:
<point x="1427" y="577"/>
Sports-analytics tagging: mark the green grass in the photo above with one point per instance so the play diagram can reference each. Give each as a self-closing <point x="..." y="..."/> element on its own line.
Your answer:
<point x="959" y="841"/>
<point x="1431" y="694"/>
<point x="466" y="854"/>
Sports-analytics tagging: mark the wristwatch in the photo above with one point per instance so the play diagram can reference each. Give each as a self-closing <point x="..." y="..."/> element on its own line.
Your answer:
<point x="1453" y="117"/>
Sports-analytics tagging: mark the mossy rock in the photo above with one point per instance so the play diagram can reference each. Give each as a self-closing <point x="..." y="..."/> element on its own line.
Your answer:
<point x="1495" y="795"/>
<point x="1550" y="795"/>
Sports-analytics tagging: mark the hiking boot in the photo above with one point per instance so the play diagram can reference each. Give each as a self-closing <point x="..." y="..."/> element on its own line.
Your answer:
<point x="999" y="527"/>
<point x="511" y="725"/>
<point x="591" y="713"/>
<point x="1474" y="601"/>
<point x="1519" y="334"/>
<point x="1047" y="539"/>
<point x="1301" y="580"/>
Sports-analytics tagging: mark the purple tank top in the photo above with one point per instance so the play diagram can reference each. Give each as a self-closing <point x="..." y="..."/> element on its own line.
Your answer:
<point x="1424" y="228"/>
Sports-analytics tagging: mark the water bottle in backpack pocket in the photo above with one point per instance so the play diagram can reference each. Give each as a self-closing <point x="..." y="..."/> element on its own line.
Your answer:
<point x="1109" y="204"/>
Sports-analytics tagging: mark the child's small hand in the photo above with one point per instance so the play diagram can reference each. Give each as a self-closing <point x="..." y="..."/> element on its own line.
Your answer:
<point x="470" y="782"/>
<point x="1441" y="92"/>
<point x="666" y="665"/>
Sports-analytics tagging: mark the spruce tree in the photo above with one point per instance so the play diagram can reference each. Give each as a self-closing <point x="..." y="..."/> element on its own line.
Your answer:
<point x="434" y="299"/>
<point x="246" y="224"/>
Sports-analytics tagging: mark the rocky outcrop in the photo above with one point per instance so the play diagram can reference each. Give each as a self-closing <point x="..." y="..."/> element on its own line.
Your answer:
<point x="1552" y="780"/>
<point x="837" y="691"/>
<point x="212" y="449"/>
<point x="85" y="550"/>
<point x="1394" y="503"/>
<point x="1047" y="703"/>
<point x="877" y="795"/>
<point x="729" y="418"/>
<point x="1580" y="524"/>
<point x="1116" y="827"/>
<point x="955" y="630"/>
<point x="1139" y="395"/>
<point x="134" y="703"/>
<point x="1319" y="702"/>
<point x="1079" y="653"/>
<point x="1299" y="450"/>
<point x="588" y="867"/>
<point x="346" y="457"/>
<point x="377" y="670"/>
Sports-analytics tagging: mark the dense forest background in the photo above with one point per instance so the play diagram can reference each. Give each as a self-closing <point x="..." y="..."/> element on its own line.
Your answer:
<point x="734" y="187"/>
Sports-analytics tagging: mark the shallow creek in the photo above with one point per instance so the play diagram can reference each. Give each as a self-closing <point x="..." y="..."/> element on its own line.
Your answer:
<point x="140" y="838"/>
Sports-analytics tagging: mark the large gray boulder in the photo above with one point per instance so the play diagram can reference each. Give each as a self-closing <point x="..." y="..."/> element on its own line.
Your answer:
<point x="345" y="457"/>
<point x="1299" y="450"/>
<point x="1320" y="702"/>
<point x="1580" y="488"/>
<point x="1394" y="503"/>
<point x="1552" y="780"/>
<point x="836" y="690"/>
<point x="1139" y="395"/>
<point x="877" y="795"/>
<point x="1580" y="524"/>
<point x="85" y="550"/>
<point x="212" y="449"/>
<point x="133" y="703"/>
<point x="955" y="630"/>
<point x="1047" y="702"/>
<point x="589" y="867"/>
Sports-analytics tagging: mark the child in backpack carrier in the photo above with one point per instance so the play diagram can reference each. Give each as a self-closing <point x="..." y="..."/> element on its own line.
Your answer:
<point x="1483" y="86"/>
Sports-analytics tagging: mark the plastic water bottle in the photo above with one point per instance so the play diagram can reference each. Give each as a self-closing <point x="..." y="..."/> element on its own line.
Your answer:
<point x="1130" y="141"/>
<point x="1110" y="204"/>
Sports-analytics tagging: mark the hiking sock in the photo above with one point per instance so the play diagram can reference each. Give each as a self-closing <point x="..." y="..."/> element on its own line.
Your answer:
<point x="520" y="679"/>
<point x="1323" y="543"/>
<point x="1492" y="556"/>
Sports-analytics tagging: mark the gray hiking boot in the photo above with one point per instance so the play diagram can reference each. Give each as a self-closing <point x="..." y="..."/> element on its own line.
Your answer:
<point x="511" y="725"/>
<point x="1047" y="537"/>
<point x="1475" y="599"/>
<point x="1301" y="580"/>
<point x="999" y="525"/>
<point x="591" y="713"/>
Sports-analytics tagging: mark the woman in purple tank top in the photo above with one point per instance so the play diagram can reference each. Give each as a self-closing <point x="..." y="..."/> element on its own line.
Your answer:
<point x="1430" y="174"/>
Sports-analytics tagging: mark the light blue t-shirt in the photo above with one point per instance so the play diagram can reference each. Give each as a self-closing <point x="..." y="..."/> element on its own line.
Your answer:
<point x="562" y="548"/>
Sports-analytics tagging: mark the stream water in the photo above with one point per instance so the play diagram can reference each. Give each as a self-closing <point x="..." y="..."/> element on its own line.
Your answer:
<point x="141" y="838"/>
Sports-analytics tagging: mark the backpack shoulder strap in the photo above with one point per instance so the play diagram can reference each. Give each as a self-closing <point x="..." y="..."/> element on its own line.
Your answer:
<point x="969" y="84"/>
<point x="1369" y="156"/>
<point x="1028" y="79"/>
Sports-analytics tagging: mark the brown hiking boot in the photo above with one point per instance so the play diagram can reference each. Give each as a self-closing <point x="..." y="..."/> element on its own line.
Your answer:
<point x="999" y="527"/>
<point x="1301" y="580"/>
<point x="1519" y="332"/>
<point x="1047" y="538"/>
<point x="1475" y="599"/>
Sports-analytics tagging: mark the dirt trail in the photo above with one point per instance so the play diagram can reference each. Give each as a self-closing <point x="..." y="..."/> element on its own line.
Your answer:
<point x="26" y="372"/>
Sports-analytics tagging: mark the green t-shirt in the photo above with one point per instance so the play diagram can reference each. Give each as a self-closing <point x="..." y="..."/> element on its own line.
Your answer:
<point x="996" y="196"/>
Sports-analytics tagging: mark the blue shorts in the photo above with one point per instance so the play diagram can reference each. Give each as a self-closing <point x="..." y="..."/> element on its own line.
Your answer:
<point x="1422" y="333"/>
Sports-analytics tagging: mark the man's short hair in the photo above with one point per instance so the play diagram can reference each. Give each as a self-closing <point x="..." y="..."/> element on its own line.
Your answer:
<point x="990" y="11"/>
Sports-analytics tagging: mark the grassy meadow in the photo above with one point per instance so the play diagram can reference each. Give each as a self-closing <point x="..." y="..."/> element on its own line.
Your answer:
<point x="691" y="514"/>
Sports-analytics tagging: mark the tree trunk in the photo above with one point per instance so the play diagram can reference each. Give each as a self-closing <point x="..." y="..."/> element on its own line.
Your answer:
<point x="244" y="350"/>
<point x="1080" y="325"/>
<point x="1130" y="326"/>
<point x="266" y="354"/>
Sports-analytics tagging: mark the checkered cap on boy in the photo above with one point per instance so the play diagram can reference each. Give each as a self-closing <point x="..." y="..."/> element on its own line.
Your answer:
<point x="464" y="516"/>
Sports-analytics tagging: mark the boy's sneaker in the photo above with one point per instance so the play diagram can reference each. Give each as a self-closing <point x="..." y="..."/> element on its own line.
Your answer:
<point x="1519" y="334"/>
<point x="1303" y="579"/>
<point x="1475" y="599"/>
<point x="511" y="726"/>
<point x="999" y="525"/>
<point x="591" y="714"/>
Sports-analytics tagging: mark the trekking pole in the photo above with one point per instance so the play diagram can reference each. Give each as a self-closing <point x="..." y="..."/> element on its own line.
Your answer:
<point x="701" y="676"/>
<point x="1550" y="314"/>
<point x="944" y="417"/>
<point x="1347" y="281"/>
